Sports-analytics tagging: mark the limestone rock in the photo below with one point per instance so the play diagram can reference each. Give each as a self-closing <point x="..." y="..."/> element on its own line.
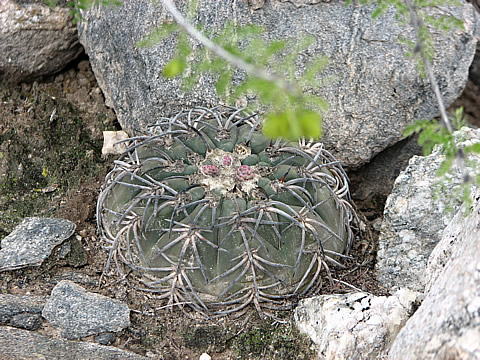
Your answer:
<point x="31" y="242"/>
<point x="21" y="311"/>
<point x="447" y="324"/>
<point x="16" y="344"/>
<point x="35" y="40"/>
<point x="79" y="313"/>
<point x="415" y="216"/>
<point x="112" y="142"/>
<point x="372" y="89"/>
<point x="354" y="326"/>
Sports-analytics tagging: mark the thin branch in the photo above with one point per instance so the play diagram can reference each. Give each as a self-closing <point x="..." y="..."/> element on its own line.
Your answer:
<point x="416" y="23"/>
<point x="224" y="54"/>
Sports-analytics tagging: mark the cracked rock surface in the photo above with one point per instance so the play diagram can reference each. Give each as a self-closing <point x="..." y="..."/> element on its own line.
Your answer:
<point x="354" y="326"/>
<point x="447" y="324"/>
<point x="416" y="215"/>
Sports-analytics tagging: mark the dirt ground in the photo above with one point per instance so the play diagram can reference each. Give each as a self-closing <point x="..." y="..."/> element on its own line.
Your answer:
<point x="51" y="165"/>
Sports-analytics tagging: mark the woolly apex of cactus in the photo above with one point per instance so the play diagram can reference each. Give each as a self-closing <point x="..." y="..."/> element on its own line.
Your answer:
<point x="205" y="211"/>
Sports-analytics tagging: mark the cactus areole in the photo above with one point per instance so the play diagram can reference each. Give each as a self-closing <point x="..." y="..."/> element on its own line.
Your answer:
<point x="206" y="211"/>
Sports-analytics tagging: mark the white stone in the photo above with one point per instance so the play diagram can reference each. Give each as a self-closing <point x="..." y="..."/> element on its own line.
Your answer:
<point x="205" y="356"/>
<point x="354" y="326"/>
<point x="111" y="143"/>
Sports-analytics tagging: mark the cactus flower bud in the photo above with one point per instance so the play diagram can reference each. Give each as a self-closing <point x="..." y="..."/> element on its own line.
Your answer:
<point x="211" y="170"/>
<point x="227" y="160"/>
<point x="244" y="172"/>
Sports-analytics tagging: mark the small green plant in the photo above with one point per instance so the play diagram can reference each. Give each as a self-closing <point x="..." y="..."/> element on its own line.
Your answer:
<point x="206" y="211"/>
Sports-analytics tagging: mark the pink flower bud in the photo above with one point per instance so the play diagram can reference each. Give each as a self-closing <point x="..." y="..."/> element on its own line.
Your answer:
<point x="210" y="170"/>
<point x="227" y="160"/>
<point x="244" y="172"/>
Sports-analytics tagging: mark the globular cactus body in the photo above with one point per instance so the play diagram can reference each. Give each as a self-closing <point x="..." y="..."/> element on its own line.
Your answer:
<point x="206" y="211"/>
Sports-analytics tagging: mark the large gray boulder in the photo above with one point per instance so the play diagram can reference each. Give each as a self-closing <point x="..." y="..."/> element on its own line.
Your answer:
<point x="35" y="40"/>
<point x="416" y="213"/>
<point x="372" y="89"/>
<point x="447" y="324"/>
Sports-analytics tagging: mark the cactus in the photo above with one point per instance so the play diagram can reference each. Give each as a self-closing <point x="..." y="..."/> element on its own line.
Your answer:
<point x="204" y="210"/>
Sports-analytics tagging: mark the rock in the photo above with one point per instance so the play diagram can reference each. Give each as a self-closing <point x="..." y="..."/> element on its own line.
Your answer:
<point x="21" y="311"/>
<point x="354" y="326"/>
<point x="107" y="338"/>
<point x="415" y="216"/>
<point x="79" y="313"/>
<point x="111" y="143"/>
<point x="31" y="242"/>
<point x="35" y="40"/>
<point x="372" y="88"/>
<point x="373" y="182"/>
<point x="474" y="72"/>
<point x="447" y="324"/>
<point x="16" y="344"/>
<point x="77" y="255"/>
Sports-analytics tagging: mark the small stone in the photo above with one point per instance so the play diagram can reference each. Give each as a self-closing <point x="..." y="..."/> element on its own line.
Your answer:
<point x="26" y="321"/>
<point x="111" y="143"/>
<point x="107" y="338"/>
<point x="21" y="311"/>
<point x="79" y="313"/>
<point x="23" y="344"/>
<point x="77" y="256"/>
<point x="31" y="242"/>
<point x="205" y="356"/>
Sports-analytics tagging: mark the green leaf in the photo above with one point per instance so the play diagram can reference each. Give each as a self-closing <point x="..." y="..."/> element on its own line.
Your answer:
<point x="293" y="125"/>
<point x="444" y="167"/>
<point x="156" y="35"/>
<point x="475" y="148"/>
<point x="276" y="126"/>
<point x="174" y="67"/>
<point x="311" y="124"/>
